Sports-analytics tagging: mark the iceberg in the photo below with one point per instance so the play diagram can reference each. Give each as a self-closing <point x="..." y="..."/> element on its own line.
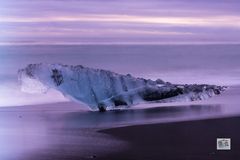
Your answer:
<point x="105" y="90"/>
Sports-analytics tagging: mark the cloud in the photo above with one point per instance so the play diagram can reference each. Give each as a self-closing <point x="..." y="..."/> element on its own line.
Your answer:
<point x="216" y="21"/>
<point x="81" y="21"/>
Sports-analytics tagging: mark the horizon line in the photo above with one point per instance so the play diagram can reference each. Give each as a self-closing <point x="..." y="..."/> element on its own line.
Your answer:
<point x="86" y="44"/>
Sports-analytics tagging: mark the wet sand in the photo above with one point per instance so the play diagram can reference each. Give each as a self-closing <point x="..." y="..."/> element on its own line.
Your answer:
<point x="44" y="133"/>
<point x="191" y="140"/>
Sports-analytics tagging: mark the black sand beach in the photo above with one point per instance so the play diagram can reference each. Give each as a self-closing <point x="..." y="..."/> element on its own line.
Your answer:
<point x="192" y="140"/>
<point x="46" y="134"/>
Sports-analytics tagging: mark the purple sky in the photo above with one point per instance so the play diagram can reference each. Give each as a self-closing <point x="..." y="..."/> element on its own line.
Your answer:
<point x="119" y="21"/>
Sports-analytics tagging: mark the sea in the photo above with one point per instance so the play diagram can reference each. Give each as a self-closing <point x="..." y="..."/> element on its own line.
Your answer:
<point x="181" y="64"/>
<point x="49" y="126"/>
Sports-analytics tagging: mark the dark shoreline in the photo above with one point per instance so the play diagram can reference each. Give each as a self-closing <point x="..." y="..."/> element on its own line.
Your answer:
<point x="190" y="140"/>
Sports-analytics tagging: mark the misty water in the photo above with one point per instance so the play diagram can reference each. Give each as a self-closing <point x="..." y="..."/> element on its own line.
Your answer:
<point x="210" y="64"/>
<point x="48" y="125"/>
<point x="218" y="64"/>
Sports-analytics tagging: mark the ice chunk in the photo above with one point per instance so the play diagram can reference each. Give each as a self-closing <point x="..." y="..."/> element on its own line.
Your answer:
<point x="102" y="90"/>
